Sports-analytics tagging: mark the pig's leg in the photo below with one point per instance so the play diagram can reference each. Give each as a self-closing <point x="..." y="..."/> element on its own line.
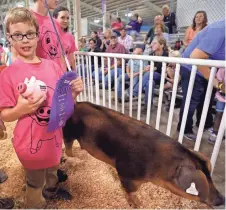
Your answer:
<point x="131" y="186"/>
<point x="68" y="148"/>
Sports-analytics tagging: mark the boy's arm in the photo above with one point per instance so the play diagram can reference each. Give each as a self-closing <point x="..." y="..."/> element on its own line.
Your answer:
<point x="22" y="108"/>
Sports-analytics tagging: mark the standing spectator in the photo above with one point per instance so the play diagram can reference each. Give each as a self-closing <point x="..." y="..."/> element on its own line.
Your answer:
<point x="168" y="18"/>
<point x="94" y="35"/>
<point x="199" y="22"/>
<point x="61" y="14"/>
<point x="117" y="26"/>
<point x="151" y="33"/>
<point x="82" y="45"/>
<point x="133" y="27"/>
<point x="114" y="47"/>
<point x="125" y="40"/>
<point x="220" y="106"/>
<point x="208" y="44"/>
<point x="106" y="41"/>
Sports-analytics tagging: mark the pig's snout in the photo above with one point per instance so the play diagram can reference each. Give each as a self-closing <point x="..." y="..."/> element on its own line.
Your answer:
<point x="219" y="200"/>
<point x="21" y="88"/>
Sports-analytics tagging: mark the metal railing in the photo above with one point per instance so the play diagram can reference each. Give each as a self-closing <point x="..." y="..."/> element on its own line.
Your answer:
<point x="92" y="94"/>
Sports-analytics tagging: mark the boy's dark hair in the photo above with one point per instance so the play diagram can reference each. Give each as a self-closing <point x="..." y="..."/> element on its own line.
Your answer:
<point x="56" y="13"/>
<point x="93" y="40"/>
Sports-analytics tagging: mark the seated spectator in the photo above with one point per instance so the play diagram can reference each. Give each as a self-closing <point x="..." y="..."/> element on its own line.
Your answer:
<point x="117" y="26"/>
<point x="151" y="33"/>
<point x="106" y="41"/>
<point x="82" y="45"/>
<point x="114" y="47"/>
<point x="169" y="18"/>
<point x="159" y="48"/>
<point x="136" y="70"/>
<point x="159" y="32"/>
<point x="199" y="22"/>
<point x="125" y="40"/>
<point x="133" y="27"/>
<point x="94" y="35"/>
<point x="93" y="48"/>
<point x="220" y="106"/>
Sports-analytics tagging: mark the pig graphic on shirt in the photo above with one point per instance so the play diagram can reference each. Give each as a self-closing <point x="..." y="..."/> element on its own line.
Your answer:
<point x="41" y="118"/>
<point x="50" y="43"/>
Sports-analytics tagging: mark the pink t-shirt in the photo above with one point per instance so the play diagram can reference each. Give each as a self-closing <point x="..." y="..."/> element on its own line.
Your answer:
<point x="35" y="148"/>
<point x="117" y="25"/>
<point x="69" y="44"/>
<point x="48" y="45"/>
<point x="221" y="76"/>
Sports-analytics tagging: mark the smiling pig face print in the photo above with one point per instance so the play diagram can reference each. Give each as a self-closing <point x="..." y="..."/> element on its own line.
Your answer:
<point x="40" y="120"/>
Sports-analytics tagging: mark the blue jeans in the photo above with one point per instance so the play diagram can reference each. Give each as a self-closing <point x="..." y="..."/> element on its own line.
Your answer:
<point x="145" y="84"/>
<point x="112" y="75"/>
<point x="220" y="106"/>
<point x="197" y="101"/>
<point x="119" y="84"/>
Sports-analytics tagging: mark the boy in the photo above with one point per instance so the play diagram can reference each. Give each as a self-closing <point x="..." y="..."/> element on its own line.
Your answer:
<point x="38" y="151"/>
<point x="48" y="46"/>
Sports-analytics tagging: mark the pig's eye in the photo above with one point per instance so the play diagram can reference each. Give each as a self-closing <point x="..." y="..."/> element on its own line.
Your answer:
<point x="48" y="112"/>
<point x="48" y="40"/>
<point x="41" y="111"/>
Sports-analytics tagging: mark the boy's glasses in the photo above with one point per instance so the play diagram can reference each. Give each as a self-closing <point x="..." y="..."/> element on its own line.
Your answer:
<point x="20" y="37"/>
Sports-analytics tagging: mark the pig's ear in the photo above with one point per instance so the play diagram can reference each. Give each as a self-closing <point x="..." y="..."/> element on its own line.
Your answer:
<point x="26" y="80"/>
<point x="203" y="158"/>
<point x="192" y="181"/>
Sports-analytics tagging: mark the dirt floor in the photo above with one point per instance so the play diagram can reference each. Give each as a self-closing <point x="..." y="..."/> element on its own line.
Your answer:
<point x="92" y="183"/>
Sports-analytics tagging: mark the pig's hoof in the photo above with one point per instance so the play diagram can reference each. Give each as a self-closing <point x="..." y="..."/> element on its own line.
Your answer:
<point x="134" y="202"/>
<point x="69" y="153"/>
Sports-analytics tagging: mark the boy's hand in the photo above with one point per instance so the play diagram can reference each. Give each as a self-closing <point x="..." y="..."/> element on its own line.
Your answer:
<point x="76" y="87"/>
<point x="27" y="107"/>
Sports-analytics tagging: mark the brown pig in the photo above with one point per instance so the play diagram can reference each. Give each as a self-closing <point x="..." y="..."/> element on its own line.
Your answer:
<point x="140" y="154"/>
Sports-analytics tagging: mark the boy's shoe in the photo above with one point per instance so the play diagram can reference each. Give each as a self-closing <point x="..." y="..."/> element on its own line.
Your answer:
<point x="56" y="193"/>
<point x="62" y="176"/>
<point x="6" y="203"/>
<point x="3" y="176"/>
<point x="190" y="136"/>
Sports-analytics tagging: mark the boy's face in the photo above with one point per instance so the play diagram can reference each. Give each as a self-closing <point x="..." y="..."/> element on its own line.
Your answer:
<point x="138" y="51"/>
<point x="25" y="46"/>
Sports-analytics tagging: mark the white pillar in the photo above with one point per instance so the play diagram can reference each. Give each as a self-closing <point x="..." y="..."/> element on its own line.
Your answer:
<point x="77" y="19"/>
<point x="69" y="8"/>
<point x="27" y="3"/>
<point x="104" y="8"/>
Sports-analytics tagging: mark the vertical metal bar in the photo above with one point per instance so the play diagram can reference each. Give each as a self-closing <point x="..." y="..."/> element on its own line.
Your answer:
<point x="161" y="90"/>
<point x="131" y="90"/>
<point x="88" y="81"/>
<point x="109" y="83"/>
<point x="123" y="85"/>
<point x="116" y="87"/>
<point x="84" y="78"/>
<point x="91" y="79"/>
<point x="79" y="74"/>
<point x="173" y="99"/>
<point x="187" y="102"/>
<point x="205" y="108"/>
<point x="150" y="92"/>
<point x="103" y="80"/>
<point x="219" y="139"/>
<point x="140" y="90"/>
<point x="97" y="80"/>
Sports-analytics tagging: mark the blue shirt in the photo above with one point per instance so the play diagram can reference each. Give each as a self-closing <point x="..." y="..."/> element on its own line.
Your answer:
<point x="210" y="40"/>
<point x="136" y="65"/>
